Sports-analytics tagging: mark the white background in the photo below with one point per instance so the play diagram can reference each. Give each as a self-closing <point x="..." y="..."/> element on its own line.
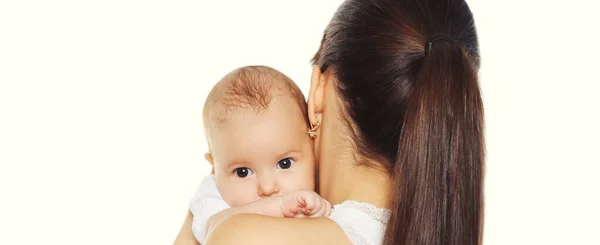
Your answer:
<point x="101" y="139"/>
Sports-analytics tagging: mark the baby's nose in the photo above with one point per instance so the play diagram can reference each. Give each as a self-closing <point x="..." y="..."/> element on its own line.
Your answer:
<point x="268" y="187"/>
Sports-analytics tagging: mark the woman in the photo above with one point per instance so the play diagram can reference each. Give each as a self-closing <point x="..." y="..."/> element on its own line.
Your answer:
<point x="395" y="92"/>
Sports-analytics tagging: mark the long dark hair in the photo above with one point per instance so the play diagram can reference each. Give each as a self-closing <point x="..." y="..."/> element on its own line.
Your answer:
<point x="407" y="72"/>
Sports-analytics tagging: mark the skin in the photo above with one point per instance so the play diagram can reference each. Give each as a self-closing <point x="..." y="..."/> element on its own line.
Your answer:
<point x="264" y="154"/>
<point x="296" y="204"/>
<point x="341" y="178"/>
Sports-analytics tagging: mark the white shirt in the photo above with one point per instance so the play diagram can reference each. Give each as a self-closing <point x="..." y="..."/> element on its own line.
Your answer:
<point x="363" y="223"/>
<point x="206" y="202"/>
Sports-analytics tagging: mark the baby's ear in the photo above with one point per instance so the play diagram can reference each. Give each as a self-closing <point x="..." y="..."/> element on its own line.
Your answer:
<point x="209" y="158"/>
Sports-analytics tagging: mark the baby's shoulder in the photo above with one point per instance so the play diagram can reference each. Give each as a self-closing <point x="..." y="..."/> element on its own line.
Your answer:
<point x="206" y="189"/>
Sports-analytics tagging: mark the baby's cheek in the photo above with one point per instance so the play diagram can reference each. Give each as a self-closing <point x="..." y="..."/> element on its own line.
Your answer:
<point x="309" y="183"/>
<point x="308" y="178"/>
<point x="236" y="194"/>
<point x="301" y="181"/>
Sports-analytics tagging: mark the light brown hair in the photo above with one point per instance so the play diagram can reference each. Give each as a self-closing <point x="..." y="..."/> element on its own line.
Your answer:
<point x="252" y="87"/>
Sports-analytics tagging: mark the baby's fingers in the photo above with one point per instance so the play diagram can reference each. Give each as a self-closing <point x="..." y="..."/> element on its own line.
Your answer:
<point x="290" y="207"/>
<point x="328" y="208"/>
<point x="317" y="207"/>
<point x="309" y="203"/>
<point x="323" y="211"/>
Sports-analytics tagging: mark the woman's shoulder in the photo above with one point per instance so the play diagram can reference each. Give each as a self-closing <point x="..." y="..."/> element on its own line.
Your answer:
<point x="350" y="223"/>
<point x="260" y="229"/>
<point x="362" y="222"/>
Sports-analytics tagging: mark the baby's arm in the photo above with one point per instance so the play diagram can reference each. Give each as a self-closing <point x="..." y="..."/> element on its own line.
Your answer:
<point x="298" y="204"/>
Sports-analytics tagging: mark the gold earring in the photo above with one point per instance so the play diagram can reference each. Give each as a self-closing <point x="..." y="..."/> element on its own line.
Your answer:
<point x="311" y="131"/>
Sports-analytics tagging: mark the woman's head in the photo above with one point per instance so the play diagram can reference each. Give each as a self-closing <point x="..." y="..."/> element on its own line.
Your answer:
<point x="404" y="75"/>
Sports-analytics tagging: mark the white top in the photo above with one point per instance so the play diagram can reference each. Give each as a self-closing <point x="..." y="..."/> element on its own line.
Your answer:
<point x="363" y="223"/>
<point x="206" y="202"/>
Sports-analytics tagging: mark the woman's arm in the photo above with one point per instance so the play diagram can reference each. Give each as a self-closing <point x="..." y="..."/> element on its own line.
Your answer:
<point x="260" y="229"/>
<point x="186" y="236"/>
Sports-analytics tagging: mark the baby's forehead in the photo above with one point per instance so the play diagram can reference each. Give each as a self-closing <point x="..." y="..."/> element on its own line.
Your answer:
<point x="281" y="112"/>
<point x="221" y="113"/>
<point x="253" y="137"/>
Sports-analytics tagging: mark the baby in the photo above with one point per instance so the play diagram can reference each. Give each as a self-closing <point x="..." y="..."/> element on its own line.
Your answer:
<point x="256" y="127"/>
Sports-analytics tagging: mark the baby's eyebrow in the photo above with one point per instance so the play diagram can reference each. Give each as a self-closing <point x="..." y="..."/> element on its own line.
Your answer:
<point x="232" y="164"/>
<point x="287" y="153"/>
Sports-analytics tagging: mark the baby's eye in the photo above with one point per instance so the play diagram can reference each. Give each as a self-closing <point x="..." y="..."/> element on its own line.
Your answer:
<point x="285" y="163"/>
<point x="243" y="172"/>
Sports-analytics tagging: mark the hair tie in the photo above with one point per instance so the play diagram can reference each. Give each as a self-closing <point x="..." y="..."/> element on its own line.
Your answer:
<point x="437" y="38"/>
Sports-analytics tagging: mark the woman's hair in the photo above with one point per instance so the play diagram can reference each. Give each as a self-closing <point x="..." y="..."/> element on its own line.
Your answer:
<point x="407" y="74"/>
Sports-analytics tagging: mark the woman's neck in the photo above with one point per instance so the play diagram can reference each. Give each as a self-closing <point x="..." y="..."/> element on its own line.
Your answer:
<point x="342" y="178"/>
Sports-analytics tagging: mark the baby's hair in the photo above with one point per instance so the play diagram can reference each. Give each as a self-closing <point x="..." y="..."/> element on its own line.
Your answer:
<point x="249" y="87"/>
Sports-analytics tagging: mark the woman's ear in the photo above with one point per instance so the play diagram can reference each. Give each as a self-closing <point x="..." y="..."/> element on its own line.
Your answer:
<point x="315" y="95"/>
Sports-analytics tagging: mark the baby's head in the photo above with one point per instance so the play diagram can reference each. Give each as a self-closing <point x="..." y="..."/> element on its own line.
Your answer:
<point x="255" y="123"/>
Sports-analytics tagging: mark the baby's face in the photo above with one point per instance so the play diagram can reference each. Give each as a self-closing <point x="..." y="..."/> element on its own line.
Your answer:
<point x="258" y="155"/>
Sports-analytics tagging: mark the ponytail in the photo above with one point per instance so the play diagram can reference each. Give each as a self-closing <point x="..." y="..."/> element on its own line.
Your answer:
<point x="414" y="110"/>
<point x="438" y="171"/>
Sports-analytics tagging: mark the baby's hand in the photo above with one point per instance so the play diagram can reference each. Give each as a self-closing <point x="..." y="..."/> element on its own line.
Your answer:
<point x="302" y="204"/>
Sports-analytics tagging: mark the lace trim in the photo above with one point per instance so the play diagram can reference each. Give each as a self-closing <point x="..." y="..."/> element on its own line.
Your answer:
<point x="380" y="214"/>
<point x="352" y="234"/>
